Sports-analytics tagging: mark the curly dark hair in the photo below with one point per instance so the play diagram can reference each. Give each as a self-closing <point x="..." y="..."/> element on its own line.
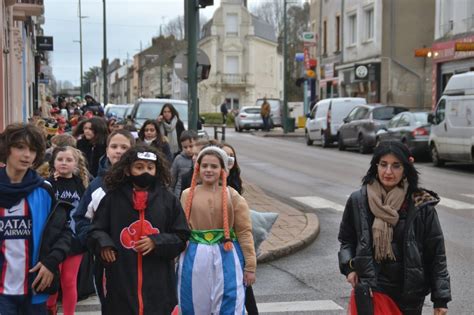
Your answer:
<point x="98" y="125"/>
<point x="234" y="180"/>
<point x="116" y="176"/>
<point x="141" y="133"/>
<point x="19" y="133"/>
<point x="401" y="152"/>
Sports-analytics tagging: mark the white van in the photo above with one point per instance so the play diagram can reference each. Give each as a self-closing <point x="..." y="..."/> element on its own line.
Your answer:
<point x="324" y="120"/>
<point x="452" y="132"/>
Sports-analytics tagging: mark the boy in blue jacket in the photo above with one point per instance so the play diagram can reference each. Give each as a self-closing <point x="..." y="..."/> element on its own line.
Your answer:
<point x="34" y="236"/>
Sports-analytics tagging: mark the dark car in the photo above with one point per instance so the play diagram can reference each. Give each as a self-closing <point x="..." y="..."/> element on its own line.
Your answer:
<point x="411" y="128"/>
<point x="362" y="123"/>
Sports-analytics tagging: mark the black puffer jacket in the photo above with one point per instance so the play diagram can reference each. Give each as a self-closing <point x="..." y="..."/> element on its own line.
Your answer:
<point x="424" y="257"/>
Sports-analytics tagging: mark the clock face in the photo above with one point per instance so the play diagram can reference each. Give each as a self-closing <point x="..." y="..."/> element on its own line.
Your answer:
<point x="361" y="71"/>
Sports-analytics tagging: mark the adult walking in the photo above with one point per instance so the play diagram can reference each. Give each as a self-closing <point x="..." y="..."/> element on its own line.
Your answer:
<point x="391" y="240"/>
<point x="265" y="111"/>
<point x="224" y="112"/>
<point x="171" y="127"/>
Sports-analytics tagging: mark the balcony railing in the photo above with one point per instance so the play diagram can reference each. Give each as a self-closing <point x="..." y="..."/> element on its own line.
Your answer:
<point x="233" y="79"/>
<point x="22" y="9"/>
<point x="469" y="23"/>
<point x="445" y="29"/>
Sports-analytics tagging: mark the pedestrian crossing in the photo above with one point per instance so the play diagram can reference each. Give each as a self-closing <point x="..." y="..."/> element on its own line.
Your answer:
<point x="316" y="202"/>
<point x="91" y="306"/>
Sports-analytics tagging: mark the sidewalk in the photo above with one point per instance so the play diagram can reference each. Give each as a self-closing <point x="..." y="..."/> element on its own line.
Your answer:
<point x="278" y="132"/>
<point x="292" y="231"/>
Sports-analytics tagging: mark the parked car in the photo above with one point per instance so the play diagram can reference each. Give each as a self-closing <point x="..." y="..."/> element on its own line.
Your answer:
<point x="411" y="128"/>
<point x="150" y="108"/>
<point x="326" y="117"/>
<point x="276" y="106"/>
<point x="452" y="132"/>
<point x="362" y="123"/>
<point x="120" y="110"/>
<point x="248" y="118"/>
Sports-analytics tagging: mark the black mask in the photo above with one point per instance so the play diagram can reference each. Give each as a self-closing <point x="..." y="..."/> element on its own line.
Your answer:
<point x="143" y="180"/>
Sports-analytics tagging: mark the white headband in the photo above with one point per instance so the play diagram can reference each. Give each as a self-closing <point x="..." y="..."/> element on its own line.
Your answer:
<point x="220" y="152"/>
<point x="149" y="156"/>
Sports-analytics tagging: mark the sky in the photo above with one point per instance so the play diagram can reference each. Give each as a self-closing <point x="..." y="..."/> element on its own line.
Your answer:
<point x="129" y="23"/>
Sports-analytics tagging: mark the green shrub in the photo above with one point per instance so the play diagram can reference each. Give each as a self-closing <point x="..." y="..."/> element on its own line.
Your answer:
<point x="216" y="118"/>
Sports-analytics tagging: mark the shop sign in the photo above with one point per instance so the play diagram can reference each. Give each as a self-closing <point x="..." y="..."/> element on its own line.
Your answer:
<point x="328" y="70"/>
<point x="462" y="46"/>
<point x="309" y="39"/>
<point x="445" y="51"/>
<point x="361" y="72"/>
<point x="306" y="58"/>
<point x="44" y="43"/>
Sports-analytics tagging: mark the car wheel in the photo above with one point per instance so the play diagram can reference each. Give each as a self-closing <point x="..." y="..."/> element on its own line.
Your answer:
<point x="363" y="149"/>
<point x="435" y="156"/>
<point x="235" y="127"/>
<point x="308" y="139"/>
<point x="340" y="143"/>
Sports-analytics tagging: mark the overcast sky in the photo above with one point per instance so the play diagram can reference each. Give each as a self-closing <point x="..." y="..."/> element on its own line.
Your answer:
<point x="128" y="23"/>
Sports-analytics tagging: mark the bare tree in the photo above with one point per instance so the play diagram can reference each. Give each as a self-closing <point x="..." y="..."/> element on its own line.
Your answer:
<point x="271" y="12"/>
<point x="175" y="27"/>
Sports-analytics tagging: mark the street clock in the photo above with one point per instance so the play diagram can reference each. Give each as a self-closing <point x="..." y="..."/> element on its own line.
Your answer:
<point x="361" y="72"/>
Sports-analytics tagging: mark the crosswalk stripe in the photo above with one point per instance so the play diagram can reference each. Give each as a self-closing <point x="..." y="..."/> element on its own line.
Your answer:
<point x="455" y="204"/>
<point x="319" y="203"/>
<point x="298" y="306"/>
<point x="276" y="307"/>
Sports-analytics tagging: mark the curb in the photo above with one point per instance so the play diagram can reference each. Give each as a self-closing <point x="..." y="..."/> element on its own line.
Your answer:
<point x="278" y="135"/>
<point x="307" y="236"/>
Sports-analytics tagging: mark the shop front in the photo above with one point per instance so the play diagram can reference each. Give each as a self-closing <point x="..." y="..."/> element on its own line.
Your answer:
<point x="448" y="59"/>
<point x="361" y="80"/>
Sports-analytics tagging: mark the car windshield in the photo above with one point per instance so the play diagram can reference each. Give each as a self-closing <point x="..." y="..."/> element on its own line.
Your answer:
<point x="118" y="110"/>
<point x="252" y="110"/>
<point x="421" y="118"/>
<point x="386" y="113"/>
<point x="152" y="111"/>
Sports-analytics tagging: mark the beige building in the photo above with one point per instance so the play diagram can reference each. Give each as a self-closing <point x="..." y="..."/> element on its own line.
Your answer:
<point x="244" y="61"/>
<point x="370" y="47"/>
<point x="19" y="24"/>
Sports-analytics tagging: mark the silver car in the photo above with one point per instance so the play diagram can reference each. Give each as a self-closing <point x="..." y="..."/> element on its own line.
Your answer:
<point x="248" y="118"/>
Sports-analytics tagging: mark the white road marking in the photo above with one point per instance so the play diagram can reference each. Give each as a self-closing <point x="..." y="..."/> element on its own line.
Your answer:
<point x="298" y="306"/>
<point x="455" y="204"/>
<point x="318" y="203"/>
<point x="468" y="195"/>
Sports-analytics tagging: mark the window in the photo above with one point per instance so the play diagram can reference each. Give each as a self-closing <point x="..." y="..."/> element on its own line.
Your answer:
<point x="352" y="29"/>
<point x="361" y="113"/>
<point x="232" y="25"/>
<point x="369" y="24"/>
<point x="440" y="112"/>
<point x="393" y="122"/>
<point x="232" y="65"/>
<point x="325" y="38"/>
<point x="404" y="121"/>
<point x="338" y="33"/>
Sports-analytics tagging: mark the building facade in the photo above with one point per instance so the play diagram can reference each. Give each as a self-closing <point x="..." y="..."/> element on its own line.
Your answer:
<point x="454" y="23"/>
<point x="19" y="25"/>
<point x="245" y="64"/>
<point x="366" y="49"/>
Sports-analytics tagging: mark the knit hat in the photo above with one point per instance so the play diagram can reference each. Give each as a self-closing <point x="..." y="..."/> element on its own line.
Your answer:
<point x="223" y="156"/>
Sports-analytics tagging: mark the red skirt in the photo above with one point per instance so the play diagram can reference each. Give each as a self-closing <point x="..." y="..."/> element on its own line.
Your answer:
<point x="383" y="305"/>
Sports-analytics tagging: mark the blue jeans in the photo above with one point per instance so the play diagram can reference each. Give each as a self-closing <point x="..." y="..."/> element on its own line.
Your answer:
<point x="266" y="123"/>
<point x="20" y="305"/>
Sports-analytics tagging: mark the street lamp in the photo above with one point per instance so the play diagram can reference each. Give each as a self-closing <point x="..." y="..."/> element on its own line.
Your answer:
<point x="105" y="61"/>
<point x="80" y="46"/>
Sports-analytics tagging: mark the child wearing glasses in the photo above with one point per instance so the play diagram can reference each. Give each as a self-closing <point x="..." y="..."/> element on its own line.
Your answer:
<point x="392" y="245"/>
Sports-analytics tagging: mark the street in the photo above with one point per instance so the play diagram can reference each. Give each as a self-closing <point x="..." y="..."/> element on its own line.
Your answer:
<point x="322" y="179"/>
<point x="318" y="180"/>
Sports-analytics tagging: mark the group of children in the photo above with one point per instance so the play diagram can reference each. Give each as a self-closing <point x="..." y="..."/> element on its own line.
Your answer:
<point x="151" y="256"/>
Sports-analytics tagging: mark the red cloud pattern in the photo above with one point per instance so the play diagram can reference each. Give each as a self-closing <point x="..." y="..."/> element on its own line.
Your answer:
<point x="130" y="235"/>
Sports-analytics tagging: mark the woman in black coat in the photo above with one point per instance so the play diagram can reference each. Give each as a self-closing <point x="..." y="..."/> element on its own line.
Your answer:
<point x="150" y="134"/>
<point x="390" y="235"/>
<point x="93" y="134"/>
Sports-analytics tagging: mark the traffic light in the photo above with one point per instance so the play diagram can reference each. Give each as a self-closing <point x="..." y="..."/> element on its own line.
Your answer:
<point x="205" y="3"/>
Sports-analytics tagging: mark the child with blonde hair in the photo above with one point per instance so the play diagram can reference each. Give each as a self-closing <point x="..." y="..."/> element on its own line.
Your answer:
<point x="69" y="178"/>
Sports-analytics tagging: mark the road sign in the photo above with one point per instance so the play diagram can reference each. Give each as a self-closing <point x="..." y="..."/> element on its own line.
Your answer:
<point x="181" y="64"/>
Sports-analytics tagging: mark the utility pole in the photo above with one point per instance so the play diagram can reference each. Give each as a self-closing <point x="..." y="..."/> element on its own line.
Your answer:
<point x="192" y="11"/>
<point x="285" y="69"/>
<point x="80" y="49"/>
<point x="105" y="62"/>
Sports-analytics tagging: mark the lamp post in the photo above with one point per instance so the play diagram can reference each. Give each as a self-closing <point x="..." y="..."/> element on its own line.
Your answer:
<point x="285" y="69"/>
<point x="105" y="61"/>
<point x="80" y="48"/>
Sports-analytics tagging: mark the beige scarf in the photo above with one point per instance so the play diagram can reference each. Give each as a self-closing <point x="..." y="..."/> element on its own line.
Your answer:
<point x="385" y="205"/>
